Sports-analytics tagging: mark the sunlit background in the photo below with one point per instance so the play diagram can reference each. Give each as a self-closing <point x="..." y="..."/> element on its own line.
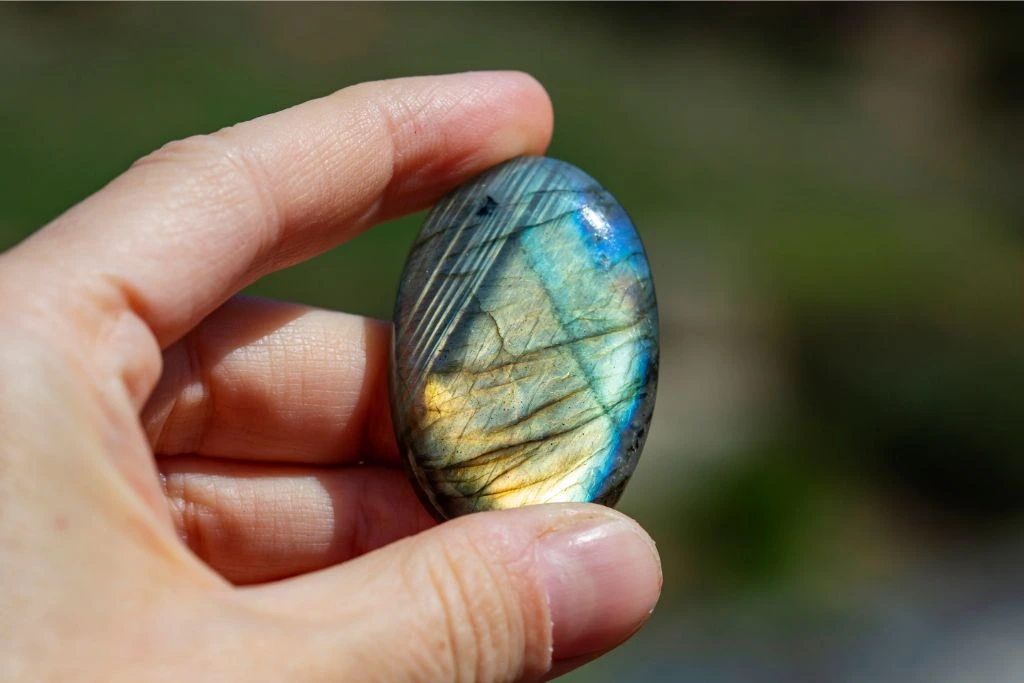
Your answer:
<point x="833" y="207"/>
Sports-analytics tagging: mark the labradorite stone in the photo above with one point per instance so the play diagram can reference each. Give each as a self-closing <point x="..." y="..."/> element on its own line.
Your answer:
<point x="525" y="352"/>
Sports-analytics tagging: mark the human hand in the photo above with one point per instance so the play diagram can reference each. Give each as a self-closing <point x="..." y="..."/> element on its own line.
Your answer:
<point x="143" y="405"/>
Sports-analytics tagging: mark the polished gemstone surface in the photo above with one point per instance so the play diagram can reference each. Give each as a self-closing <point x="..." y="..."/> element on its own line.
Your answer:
<point x="525" y="352"/>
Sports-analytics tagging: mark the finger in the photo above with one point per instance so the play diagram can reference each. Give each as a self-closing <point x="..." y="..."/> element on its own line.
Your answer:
<point x="190" y="225"/>
<point x="257" y="522"/>
<point x="486" y="597"/>
<point x="266" y="380"/>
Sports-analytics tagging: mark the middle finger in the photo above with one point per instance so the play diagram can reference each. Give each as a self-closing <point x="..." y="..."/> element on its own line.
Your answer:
<point x="267" y="380"/>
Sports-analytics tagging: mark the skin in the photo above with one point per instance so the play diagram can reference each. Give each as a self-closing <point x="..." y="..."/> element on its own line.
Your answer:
<point x="196" y="485"/>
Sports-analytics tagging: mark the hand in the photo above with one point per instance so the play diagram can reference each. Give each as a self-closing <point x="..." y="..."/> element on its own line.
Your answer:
<point x="196" y="486"/>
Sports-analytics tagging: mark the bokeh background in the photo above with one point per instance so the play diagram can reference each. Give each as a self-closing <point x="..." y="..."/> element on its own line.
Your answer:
<point x="832" y="202"/>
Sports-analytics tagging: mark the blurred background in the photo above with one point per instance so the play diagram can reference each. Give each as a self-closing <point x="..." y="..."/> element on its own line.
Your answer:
<point x="831" y="199"/>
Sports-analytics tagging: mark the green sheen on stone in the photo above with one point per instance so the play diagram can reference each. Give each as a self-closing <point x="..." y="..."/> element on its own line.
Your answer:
<point x="525" y="351"/>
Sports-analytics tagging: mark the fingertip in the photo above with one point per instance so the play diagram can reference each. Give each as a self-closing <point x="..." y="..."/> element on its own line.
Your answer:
<point x="529" y="104"/>
<point x="470" y="121"/>
<point x="603" y="579"/>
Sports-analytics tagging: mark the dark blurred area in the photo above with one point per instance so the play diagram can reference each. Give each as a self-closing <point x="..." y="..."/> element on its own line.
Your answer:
<point x="831" y="200"/>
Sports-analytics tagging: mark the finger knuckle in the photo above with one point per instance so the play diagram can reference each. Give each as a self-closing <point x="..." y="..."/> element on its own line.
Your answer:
<point x="193" y="512"/>
<point x="210" y="160"/>
<point x="479" y="631"/>
<point x="220" y="176"/>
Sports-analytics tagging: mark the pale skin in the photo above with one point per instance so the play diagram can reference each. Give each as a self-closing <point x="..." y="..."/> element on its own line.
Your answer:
<point x="198" y="486"/>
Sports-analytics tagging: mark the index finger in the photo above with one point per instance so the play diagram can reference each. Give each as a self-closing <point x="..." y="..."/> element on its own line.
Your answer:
<point x="191" y="224"/>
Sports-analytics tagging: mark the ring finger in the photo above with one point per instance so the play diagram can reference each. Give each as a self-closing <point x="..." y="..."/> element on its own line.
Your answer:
<point x="255" y="522"/>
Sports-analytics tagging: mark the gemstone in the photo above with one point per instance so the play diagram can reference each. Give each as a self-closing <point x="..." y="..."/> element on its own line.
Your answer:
<point x="525" y="350"/>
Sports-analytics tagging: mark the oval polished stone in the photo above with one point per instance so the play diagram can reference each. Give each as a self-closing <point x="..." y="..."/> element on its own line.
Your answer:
<point x="525" y="352"/>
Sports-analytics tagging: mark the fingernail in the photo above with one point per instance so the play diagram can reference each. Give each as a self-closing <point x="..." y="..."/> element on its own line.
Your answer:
<point x="603" y="578"/>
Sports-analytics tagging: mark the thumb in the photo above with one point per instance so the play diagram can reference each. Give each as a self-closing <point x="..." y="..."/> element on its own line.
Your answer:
<point x="498" y="596"/>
